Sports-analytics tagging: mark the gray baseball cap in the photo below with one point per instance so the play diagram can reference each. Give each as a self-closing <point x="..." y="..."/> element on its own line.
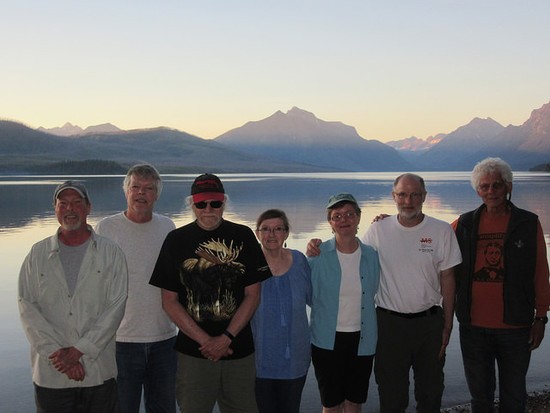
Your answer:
<point x="77" y="186"/>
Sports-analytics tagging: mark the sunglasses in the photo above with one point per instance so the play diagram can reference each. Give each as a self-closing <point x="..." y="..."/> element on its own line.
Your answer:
<point x="213" y="204"/>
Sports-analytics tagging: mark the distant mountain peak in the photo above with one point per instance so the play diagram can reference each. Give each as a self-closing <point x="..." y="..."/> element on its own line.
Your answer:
<point x="296" y="127"/>
<point x="103" y="128"/>
<point x="540" y="116"/>
<point x="415" y="144"/>
<point x="537" y="130"/>
<point x="296" y="111"/>
<point x="480" y="121"/>
<point x="299" y="136"/>
<point x="68" y="129"/>
<point x="476" y="128"/>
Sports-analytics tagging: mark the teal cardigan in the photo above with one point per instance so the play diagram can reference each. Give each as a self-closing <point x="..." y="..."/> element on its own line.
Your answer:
<point x="325" y="278"/>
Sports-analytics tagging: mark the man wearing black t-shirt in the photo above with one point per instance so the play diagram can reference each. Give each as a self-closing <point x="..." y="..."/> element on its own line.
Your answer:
<point x="210" y="273"/>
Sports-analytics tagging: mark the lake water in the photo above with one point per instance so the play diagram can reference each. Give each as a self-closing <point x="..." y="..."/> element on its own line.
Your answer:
<point x="26" y="216"/>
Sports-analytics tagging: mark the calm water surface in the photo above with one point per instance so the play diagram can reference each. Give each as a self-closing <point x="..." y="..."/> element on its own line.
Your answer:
<point x="26" y="216"/>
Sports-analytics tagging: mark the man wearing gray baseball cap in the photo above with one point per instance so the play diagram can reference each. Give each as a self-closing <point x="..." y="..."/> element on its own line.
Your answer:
<point x="72" y="292"/>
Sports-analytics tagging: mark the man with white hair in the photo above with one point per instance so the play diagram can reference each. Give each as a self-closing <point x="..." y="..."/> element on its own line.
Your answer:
<point x="210" y="272"/>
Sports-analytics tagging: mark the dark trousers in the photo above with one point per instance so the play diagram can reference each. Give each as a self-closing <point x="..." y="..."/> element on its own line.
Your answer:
<point x="509" y="348"/>
<point x="276" y="396"/>
<point x="405" y="343"/>
<point x="95" y="399"/>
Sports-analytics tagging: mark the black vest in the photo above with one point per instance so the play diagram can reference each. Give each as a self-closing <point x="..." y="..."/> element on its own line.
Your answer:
<point x="520" y="253"/>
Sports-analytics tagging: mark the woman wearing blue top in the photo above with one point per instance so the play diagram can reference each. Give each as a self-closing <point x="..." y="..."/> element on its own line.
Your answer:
<point x="345" y="279"/>
<point x="280" y="324"/>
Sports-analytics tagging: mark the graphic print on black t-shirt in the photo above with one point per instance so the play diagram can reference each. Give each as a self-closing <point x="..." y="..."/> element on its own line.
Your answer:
<point x="209" y="281"/>
<point x="490" y="258"/>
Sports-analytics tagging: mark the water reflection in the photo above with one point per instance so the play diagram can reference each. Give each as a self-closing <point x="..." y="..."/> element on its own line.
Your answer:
<point x="27" y="200"/>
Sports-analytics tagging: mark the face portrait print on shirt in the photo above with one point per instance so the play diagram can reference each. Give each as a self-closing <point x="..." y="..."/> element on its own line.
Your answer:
<point x="489" y="263"/>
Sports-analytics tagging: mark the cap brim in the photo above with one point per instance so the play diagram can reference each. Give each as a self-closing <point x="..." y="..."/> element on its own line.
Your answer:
<point x="340" y="200"/>
<point x="209" y="196"/>
<point x="74" y="188"/>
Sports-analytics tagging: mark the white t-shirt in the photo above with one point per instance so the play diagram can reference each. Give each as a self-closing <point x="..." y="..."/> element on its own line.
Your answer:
<point x="349" y="308"/>
<point x="411" y="260"/>
<point x="144" y="319"/>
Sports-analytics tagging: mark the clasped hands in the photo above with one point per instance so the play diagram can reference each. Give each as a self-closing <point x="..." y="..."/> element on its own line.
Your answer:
<point x="214" y="348"/>
<point x="66" y="361"/>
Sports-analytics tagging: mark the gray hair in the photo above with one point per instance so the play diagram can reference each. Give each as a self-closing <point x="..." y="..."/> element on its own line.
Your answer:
<point x="491" y="166"/>
<point x="143" y="170"/>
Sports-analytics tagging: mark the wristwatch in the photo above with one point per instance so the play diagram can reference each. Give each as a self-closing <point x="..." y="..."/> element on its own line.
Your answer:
<point x="231" y="336"/>
<point x="543" y="319"/>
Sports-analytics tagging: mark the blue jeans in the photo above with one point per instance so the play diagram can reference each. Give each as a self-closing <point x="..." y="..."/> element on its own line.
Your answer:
<point x="147" y="366"/>
<point x="481" y="347"/>
<point x="277" y="395"/>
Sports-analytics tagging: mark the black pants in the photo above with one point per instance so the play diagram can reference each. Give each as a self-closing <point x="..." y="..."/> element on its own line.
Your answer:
<point x="95" y="399"/>
<point x="404" y="344"/>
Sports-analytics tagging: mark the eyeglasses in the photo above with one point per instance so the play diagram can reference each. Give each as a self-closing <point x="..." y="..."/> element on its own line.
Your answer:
<point x="496" y="186"/>
<point x="339" y="217"/>
<point x="414" y="196"/>
<point x="276" y="230"/>
<point x="204" y="204"/>
<point x="146" y="189"/>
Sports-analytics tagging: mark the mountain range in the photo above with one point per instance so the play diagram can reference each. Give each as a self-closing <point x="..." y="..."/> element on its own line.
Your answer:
<point x="69" y="129"/>
<point x="295" y="141"/>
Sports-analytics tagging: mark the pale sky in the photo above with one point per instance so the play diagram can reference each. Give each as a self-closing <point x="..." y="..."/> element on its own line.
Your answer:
<point x="392" y="69"/>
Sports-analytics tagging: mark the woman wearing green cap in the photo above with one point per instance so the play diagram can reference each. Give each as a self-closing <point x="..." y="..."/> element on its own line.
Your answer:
<point x="345" y="279"/>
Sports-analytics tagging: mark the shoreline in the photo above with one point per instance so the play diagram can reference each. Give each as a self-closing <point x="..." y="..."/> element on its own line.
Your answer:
<point x="537" y="402"/>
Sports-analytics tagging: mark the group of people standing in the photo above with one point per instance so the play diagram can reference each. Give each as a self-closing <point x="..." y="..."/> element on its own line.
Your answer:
<point x="103" y="309"/>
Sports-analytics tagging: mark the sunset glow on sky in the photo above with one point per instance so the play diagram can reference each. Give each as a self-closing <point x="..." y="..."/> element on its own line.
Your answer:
<point x="392" y="69"/>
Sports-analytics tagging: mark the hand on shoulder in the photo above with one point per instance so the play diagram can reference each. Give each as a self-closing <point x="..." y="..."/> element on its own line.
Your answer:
<point x="380" y="217"/>
<point x="312" y="249"/>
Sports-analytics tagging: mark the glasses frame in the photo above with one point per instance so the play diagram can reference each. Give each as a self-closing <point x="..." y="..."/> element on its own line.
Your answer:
<point x="276" y="230"/>
<point x="347" y="215"/>
<point x="414" y="196"/>
<point x="495" y="186"/>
